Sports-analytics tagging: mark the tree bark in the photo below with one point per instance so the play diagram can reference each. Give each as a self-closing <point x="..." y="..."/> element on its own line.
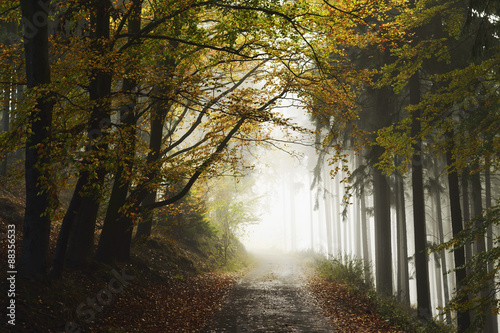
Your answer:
<point x="466" y="207"/>
<point x="403" y="274"/>
<point x="421" y="260"/>
<point x="444" y="265"/>
<point x="463" y="317"/>
<point x="365" y="238"/>
<point x="381" y="202"/>
<point x="81" y="239"/>
<point x="36" y="232"/>
<point x="115" y="240"/>
<point x="490" y="324"/>
<point x="66" y="229"/>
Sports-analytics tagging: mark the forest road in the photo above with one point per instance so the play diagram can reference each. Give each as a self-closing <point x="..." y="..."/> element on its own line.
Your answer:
<point x="270" y="299"/>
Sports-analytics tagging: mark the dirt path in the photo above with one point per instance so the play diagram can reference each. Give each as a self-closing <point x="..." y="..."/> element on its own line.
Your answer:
<point x="270" y="299"/>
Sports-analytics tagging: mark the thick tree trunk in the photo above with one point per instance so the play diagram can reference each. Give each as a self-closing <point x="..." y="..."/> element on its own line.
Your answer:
<point x="66" y="229"/>
<point x="35" y="244"/>
<point x="112" y="235"/>
<point x="115" y="240"/>
<point x="381" y="202"/>
<point x="463" y="317"/>
<point x="421" y="265"/>
<point x="383" y="251"/>
<point x="81" y="240"/>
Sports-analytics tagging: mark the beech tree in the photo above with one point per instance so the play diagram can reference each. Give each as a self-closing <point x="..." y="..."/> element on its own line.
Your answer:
<point x="34" y="248"/>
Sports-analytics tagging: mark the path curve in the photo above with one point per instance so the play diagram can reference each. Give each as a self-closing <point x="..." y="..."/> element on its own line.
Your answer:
<point x="270" y="298"/>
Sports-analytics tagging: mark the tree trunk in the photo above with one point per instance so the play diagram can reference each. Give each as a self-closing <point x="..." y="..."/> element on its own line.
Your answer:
<point x="381" y="202"/>
<point x="145" y="227"/>
<point x="444" y="265"/>
<point x="157" y="121"/>
<point x="112" y="238"/>
<point x="403" y="274"/>
<point x="35" y="244"/>
<point x="421" y="260"/>
<point x="490" y="324"/>
<point x="488" y="204"/>
<point x="365" y="238"/>
<point x="463" y="317"/>
<point x="439" y="283"/>
<point x="115" y="240"/>
<point x="81" y="240"/>
<point x="328" y="212"/>
<point x="466" y="207"/>
<point x="66" y="229"/>
<point x="337" y="217"/>
<point x="383" y="251"/>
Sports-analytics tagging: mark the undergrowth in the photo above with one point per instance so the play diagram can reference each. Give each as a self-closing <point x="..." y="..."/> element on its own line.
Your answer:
<point x="350" y="272"/>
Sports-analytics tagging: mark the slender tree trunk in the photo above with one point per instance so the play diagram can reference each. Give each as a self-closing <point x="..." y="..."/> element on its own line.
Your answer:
<point x="157" y="121"/>
<point x="358" y="231"/>
<point x="466" y="207"/>
<point x="403" y="274"/>
<point x="463" y="317"/>
<point x="439" y="283"/>
<point x="490" y="325"/>
<point x="36" y="232"/>
<point x="145" y="227"/>
<point x="337" y="217"/>
<point x="444" y="269"/>
<point x="488" y="203"/>
<point x="490" y="236"/>
<point x="477" y="204"/>
<point x="365" y="238"/>
<point x="328" y="212"/>
<point x="421" y="260"/>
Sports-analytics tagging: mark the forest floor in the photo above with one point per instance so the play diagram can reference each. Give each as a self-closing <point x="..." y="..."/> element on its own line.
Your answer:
<point x="167" y="287"/>
<point x="285" y="294"/>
